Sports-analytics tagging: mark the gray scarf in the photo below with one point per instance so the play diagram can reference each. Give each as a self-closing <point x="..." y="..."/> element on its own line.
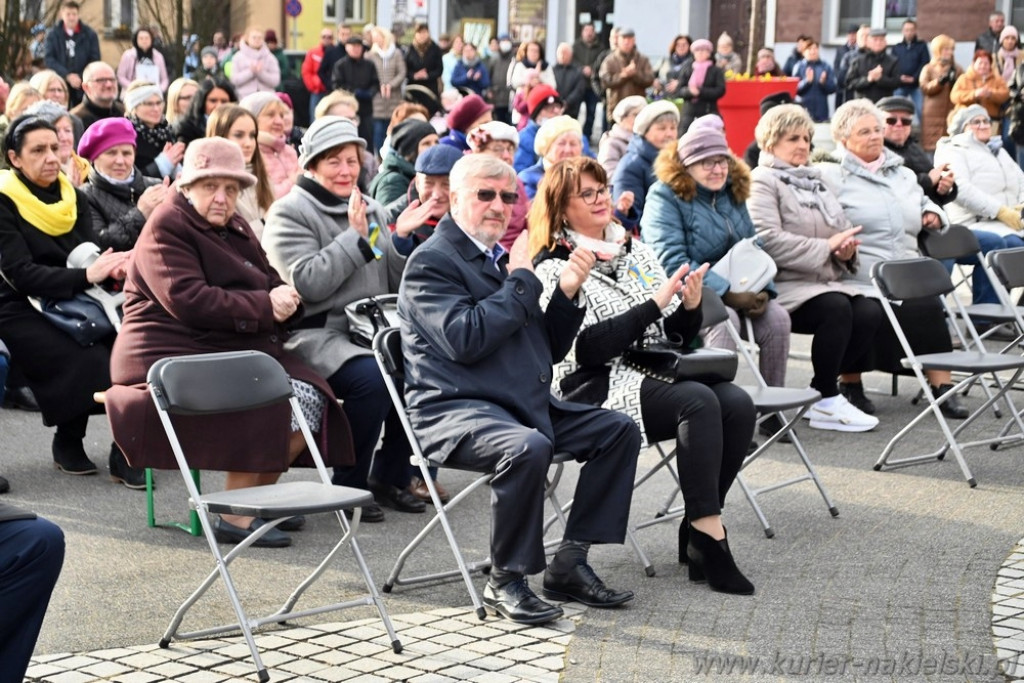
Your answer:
<point x="806" y="185"/>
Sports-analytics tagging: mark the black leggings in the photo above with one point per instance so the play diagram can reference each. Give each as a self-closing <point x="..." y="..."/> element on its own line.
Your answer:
<point x="844" y="329"/>
<point x="712" y="426"/>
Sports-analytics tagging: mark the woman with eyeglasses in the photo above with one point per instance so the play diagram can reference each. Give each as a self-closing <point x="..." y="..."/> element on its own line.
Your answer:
<point x="158" y="154"/>
<point x="629" y="295"/>
<point x="880" y="194"/>
<point x="695" y="213"/>
<point x="991" y="184"/>
<point x="179" y="99"/>
<point x="814" y="244"/>
<point x="332" y="244"/>
<point x="55" y="89"/>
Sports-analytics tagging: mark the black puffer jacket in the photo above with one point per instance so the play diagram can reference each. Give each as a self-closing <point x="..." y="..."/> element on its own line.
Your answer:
<point x="116" y="219"/>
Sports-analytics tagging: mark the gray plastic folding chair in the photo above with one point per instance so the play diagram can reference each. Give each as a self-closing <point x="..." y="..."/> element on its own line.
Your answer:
<point x="769" y="401"/>
<point x="208" y="384"/>
<point x="922" y="278"/>
<point x="387" y="349"/>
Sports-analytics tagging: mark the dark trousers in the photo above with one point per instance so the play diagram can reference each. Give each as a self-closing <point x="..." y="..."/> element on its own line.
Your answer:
<point x="844" y="329"/>
<point x="712" y="426"/>
<point x="503" y="114"/>
<point x="924" y="324"/>
<point x="607" y="443"/>
<point x="368" y="407"/>
<point x="590" y="99"/>
<point x="31" y="556"/>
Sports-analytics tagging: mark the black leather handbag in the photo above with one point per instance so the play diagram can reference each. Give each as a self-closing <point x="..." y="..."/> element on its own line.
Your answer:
<point x="671" y="362"/>
<point x="81" y="317"/>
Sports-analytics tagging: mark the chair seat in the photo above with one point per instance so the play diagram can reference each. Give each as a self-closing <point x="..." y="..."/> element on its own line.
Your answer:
<point x="286" y="499"/>
<point x="773" y="399"/>
<point x="993" y="312"/>
<point x="968" y="361"/>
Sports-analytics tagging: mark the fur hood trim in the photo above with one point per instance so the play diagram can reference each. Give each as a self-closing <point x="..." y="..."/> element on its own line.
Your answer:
<point x="670" y="170"/>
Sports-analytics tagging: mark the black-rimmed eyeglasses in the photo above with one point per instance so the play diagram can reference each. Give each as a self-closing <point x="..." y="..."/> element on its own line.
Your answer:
<point x="592" y="196"/>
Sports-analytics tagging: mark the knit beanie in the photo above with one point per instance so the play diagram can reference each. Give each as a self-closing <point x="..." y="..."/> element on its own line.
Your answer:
<point x="406" y="137"/>
<point x="104" y="134"/>
<point x="552" y="129"/>
<point x="541" y="96"/>
<point x="702" y="142"/>
<point x="962" y="116"/>
<point x="626" y="105"/>
<point x="483" y="134"/>
<point x="649" y="114"/>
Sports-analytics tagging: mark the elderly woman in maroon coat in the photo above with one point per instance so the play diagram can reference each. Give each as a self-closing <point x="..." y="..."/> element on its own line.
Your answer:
<point x="199" y="282"/>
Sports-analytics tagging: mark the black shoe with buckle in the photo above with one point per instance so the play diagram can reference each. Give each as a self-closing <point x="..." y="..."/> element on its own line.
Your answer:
<point x="123" y="473"/>
<point x="582" y="585"/>
<point x="69" y="456"/>
<point x="516" y="602"/>
<point x="951" y="407"/>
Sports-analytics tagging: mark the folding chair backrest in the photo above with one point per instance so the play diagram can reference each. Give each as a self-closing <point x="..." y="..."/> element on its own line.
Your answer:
<point x="218" y="382"/>
<point x="712" y="308"/>
<point x="1008" y="265"/>
<point x="911" y="279"/>
<point x="388" y="347"/>
<point x="954" y="242"/>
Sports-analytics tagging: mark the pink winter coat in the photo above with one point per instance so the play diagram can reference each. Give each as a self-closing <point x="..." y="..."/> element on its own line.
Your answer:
<point x="281" y="161"/>
<point x="247" y="77"/>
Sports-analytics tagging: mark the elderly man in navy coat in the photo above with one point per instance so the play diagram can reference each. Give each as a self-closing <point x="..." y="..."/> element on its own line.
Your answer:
<point x="478" y="351"/>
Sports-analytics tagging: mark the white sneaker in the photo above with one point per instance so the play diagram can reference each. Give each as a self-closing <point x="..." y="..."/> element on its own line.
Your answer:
<point x="839" y="415"/>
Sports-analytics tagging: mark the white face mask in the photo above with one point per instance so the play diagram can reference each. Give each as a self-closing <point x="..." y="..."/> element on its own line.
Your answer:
<point x="505" y="46"/>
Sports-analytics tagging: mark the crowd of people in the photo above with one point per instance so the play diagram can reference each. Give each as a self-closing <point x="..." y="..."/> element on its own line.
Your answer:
<point x="527" y="265"/>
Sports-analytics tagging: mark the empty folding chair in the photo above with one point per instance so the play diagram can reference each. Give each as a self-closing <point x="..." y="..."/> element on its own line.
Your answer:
<point x="387" y="348"/>
<point x="923" y="278"/>
<point x="208" y="384"/>
<point x="769" y="401"/>
<point x="1007" y="268"/>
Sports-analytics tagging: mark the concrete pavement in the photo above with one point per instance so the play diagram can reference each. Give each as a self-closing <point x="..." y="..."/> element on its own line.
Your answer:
<point x="919" y="578"/>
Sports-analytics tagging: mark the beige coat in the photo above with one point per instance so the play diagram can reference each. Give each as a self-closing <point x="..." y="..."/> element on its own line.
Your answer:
<point x="784" y="204"/>
<point x="937" y="104"/>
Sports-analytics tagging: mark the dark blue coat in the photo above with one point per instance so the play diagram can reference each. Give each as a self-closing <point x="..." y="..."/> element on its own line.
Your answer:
<point x="813" y="93"/>
<point x="635" y="173"/>
<point x="477" y="344"/>
<point x="912" y="57"/>
<point x="87" y="49"/>
<point x="462" y="77"/>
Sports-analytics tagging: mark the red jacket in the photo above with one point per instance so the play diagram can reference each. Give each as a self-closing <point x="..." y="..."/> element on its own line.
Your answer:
<point x="310" y="67"/>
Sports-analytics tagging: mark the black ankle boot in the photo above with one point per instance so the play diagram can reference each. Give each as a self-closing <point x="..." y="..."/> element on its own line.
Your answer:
<point x="69" y="455"/>
<point x="712" y="560"/>
<point x="684" y="539"/>
<point x="123" y="473"/>
<point x="854" y="393"/>
<point x="952" y="408"/>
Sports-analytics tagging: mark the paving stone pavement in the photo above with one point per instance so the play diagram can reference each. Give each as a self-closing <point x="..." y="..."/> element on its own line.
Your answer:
<point x="919" y="578"/>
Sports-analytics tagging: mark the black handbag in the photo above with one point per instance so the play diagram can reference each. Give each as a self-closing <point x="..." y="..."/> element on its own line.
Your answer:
<point x="367" y="317"/>
<point x="671" y="362"/>
<point x="82" y="317"/>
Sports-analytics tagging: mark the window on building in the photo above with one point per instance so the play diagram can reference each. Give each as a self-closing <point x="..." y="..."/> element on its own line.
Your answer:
<point x="119" y="17"/>
<point x="888" y="13"/>
<point x="1016" y="13"/>
<point x="338" y="11"/>
<point x="472" y="10"/>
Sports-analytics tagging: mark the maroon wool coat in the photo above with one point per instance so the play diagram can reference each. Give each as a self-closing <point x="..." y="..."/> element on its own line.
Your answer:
<point x="196" y="288"/>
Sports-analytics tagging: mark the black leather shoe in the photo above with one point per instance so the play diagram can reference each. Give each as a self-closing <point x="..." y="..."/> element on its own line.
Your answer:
<point x="398" y="499"/>
<point x="21" y="398"/>
<point x="582" y="585"/>
<point x="123" y="473"/>
<point x="516" y="602"/>
<point x="771" y="425"/>
<point x="229" y="533"/>
<point x="69" y="456"/>
<point x="372" y="514"/>
<point x="952" y="408"/>
<point x="5" y="485"/>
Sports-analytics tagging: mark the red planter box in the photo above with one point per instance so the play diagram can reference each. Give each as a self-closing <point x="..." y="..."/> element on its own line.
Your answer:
<point x="741" y="108"/>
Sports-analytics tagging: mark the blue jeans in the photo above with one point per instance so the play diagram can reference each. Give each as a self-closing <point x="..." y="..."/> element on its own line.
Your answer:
<point x="981" y="288"/>
<point x="4" y="366"/>
<point x="914" y="94"/>
<point x="380" y="131"/>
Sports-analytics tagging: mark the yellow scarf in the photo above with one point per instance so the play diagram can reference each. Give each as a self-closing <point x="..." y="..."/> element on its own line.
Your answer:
<point x="52" y="219"/>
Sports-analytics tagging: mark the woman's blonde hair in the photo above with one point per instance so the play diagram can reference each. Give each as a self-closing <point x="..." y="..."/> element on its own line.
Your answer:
<point x="173" y="93"/>
<point x="42" y="80"/>
<point x="219" y="125"/>
<point x="335" y="98"/>
<point x="780" y="120"/>
<point x="21" y="97"/>
<point x="560" y="182"/>
<point x="939" y="42"/>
